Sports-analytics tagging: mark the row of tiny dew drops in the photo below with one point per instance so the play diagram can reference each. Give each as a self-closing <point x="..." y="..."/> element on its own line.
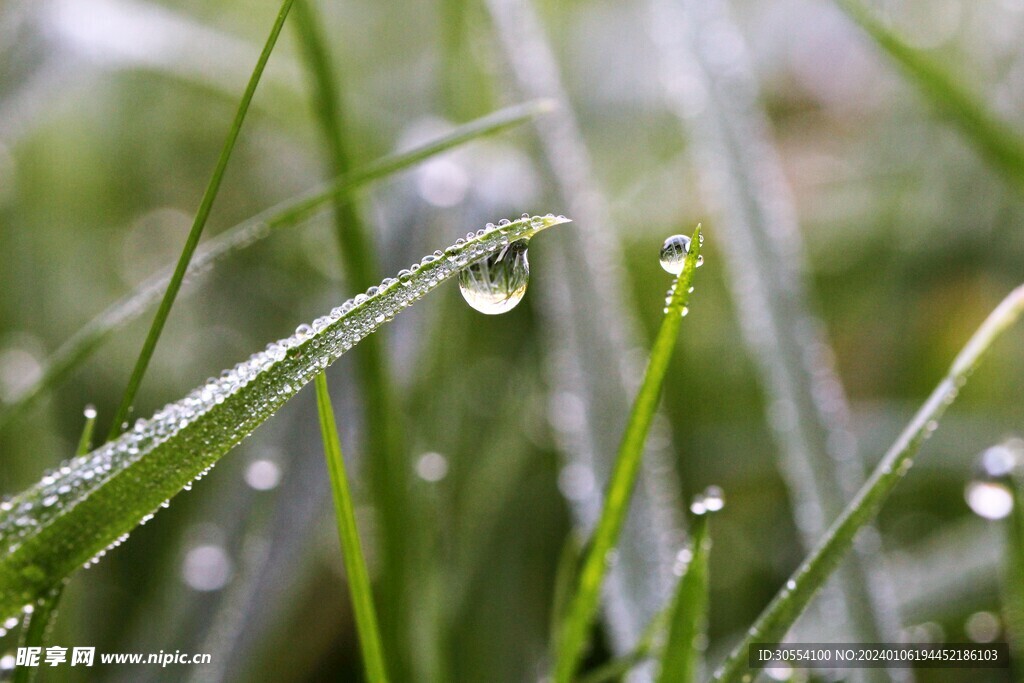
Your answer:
<point x="496" y="284"/>
<point x="673" y="257"/>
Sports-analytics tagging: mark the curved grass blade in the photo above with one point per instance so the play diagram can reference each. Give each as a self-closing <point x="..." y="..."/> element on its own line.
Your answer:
<point x="83" y="343"/>
<point x="681" y="659"/>
<point x="998" y="143"/>
<point x="203" y="213"/>
<point x="352" y="550"/>
<point x="812" y="573"/>
<point x="583" y="605"/>
<point x="40" y="620"/>
<point x="93" y="502"/>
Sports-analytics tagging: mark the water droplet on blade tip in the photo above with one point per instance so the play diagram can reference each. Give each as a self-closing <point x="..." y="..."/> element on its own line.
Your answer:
<point x="497" y="283"/>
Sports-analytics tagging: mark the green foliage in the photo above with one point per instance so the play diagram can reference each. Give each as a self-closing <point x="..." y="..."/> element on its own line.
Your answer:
<point x="680" y="661"/>
<point x="348" y="534"/>
<point x="81" y="345"/>
<point x="999" y="144"/>
<point x="202" y="215"/>
<point x="95" y="500"/>
<point x="809" y="577"/>
<point x="583" y="605"/>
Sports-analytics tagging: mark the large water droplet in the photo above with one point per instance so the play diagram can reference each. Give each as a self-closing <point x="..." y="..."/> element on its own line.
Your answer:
<point x="673" y="253"/>
<point x="497" y="284"/>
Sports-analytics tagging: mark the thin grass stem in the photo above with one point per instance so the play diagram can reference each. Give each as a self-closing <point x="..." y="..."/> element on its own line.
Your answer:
<point x="388" y="470"/>
<point x="202" y="215"/>
<point x="355" y="562"/>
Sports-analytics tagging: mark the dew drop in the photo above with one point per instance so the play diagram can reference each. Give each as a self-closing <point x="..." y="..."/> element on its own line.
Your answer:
<point x="497" y="283"/>
<point x="673" y="253"/>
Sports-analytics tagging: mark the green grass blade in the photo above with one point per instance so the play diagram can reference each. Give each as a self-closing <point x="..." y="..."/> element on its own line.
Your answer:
<point x="94" y="501"/>
<point x="786" y="339"/>
<point x="387" y="468"/>
<point x="351" y="548"/>
<point x="83" y="343"/>
<point x="40" y="620"/>
<point x="789" y="603"/>
<point x="689" y="612"/>
<point x="583" y="606"/>
<point x="579" y="336"/>
<point x="35" y="631"/>
<point x="202" y="214"/>
<point x="620" y="666"/>
<point x="998" y="143"/>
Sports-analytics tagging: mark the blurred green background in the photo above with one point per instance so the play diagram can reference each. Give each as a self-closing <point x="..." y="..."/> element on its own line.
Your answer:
<point x="111" y="117"/>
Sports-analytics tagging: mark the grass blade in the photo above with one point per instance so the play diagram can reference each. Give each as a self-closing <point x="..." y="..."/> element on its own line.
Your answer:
<point x="94" y="501"/>
<point x="83" y="343"/>
<point x="999" y="144"/>
<point x="388" y="471"/>
<point x="583" y="606"/>
<point x="689" y="612"/>
<point x="351" y="548"/>
<point x="764" y="255"/>
<point x="205" y="205"/>
<point x="580" y="337"/>
<point x="40" y="620"/>
<point x="788" y="603"/>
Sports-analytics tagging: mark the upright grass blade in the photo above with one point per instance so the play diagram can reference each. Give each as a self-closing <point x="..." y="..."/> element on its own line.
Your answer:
<point x="689" y="613"/>
<point x="83" y="343"/>
<point x="39" y="620"/>
<point x="205" y="205"/>
<point x="580" y="337"/>
<point x="351" y="548"/>
<point x="388" y="469"/>
<point x="806" y="407"/>
<point x="94" y="501"/>
<point x="788" y="603"/>
<point x="998" y="143"/>
<point x="583" y="605"/>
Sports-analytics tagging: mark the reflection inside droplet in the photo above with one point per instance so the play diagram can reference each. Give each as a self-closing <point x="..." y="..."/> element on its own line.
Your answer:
<point x="497" y="283"/>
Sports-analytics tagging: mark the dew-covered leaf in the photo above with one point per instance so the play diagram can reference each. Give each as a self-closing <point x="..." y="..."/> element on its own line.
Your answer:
<point x="93" y="502"/>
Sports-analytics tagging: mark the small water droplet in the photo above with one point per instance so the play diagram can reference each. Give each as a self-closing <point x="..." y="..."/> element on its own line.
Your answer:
<point x="497" y="283"/>
<point x="714" y="498"/>
<point x="673" y="253"/>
